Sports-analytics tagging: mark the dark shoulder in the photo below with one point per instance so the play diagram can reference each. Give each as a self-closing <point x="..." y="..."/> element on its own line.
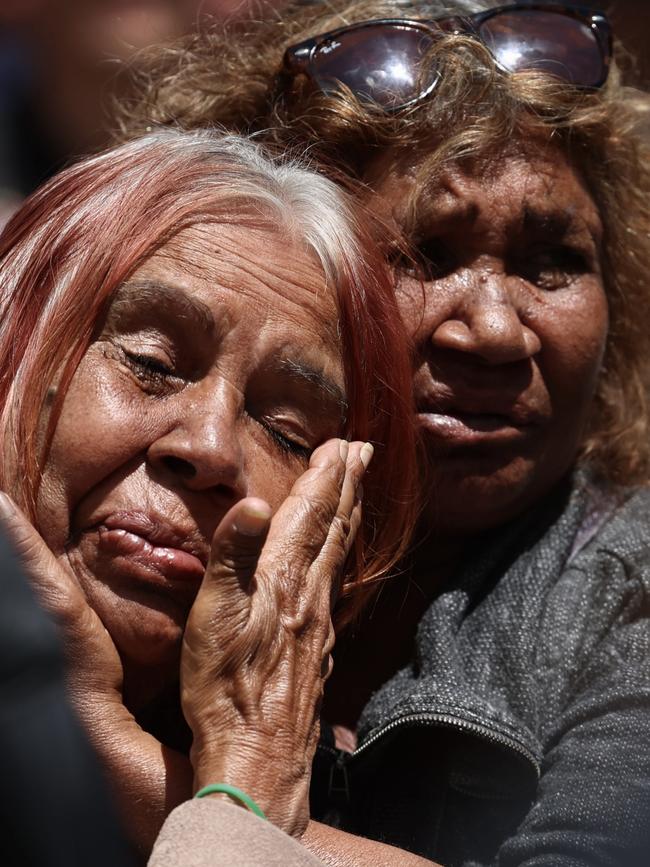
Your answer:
<point x="605" y="585"/>
<point x="593" y="634"/>
<point x="622" y="516"/>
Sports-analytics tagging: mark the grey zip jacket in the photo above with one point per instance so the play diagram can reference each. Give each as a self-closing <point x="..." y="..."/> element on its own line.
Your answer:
<point x="520" y="733"/>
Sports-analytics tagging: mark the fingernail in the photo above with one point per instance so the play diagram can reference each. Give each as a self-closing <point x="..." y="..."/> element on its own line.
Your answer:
<point x="6" y="506"/>
<point x="366" y="453"/>
<point x="253" y="519"/>
<point x="344" y="448"/>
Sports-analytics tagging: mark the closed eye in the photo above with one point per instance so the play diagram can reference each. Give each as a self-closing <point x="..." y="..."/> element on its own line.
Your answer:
<point x="148" y="364"/>
<point x="554" y="267"/>
<point x="289" y="444"/>
<point x="154" y="374"/>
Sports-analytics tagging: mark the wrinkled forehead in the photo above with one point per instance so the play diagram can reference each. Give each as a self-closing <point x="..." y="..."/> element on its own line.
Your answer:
<point x="268" y="266"/>
<point x="412" y="188"/>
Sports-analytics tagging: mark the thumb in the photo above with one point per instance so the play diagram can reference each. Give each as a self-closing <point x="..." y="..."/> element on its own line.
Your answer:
<point x="222" y="608"/>
<point x="229" y="579"/>
<point x="89" y="647"/>
<point x="57" y="589"/>
<point x="237" y="544"/>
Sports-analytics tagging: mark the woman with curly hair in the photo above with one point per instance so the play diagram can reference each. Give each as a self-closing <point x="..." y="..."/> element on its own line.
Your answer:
<point x="493" y="705"/>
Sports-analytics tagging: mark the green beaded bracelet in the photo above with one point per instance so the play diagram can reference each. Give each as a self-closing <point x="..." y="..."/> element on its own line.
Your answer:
<point x="234" y="792"/>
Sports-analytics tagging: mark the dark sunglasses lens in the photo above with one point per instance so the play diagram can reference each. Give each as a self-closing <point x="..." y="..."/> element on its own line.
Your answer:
<point x="548" y="41"/>
<point x="379" y="64"/>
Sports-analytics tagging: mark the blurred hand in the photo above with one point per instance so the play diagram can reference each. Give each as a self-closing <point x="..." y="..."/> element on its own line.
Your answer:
<point x="257" y="645"/>
<point x="147" y="779"/>
<point x="94" y="666"/>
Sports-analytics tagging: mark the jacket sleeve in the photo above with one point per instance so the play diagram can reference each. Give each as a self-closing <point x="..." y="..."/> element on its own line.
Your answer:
<point x="210" y="833"/>
<point x="593" y="800"/>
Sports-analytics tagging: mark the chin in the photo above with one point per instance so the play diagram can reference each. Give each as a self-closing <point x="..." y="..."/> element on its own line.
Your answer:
<point x="469" y="496"/>
<point x="146" y="632"/>
<point x="144" y="613"/>
<point x="149" y="645"/>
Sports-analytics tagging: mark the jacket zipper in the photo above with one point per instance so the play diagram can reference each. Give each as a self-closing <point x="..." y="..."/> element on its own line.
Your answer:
<point x="453" y="722"/>
<point x="342" y="759"/>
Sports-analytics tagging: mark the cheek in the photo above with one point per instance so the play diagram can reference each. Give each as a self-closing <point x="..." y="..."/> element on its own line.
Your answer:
<point x="98" y="431"/>
<point x="574" y="345"/>
<point x="411" y="299"/>
<point x="270" y="476"/>
<point x="424" y="306"/>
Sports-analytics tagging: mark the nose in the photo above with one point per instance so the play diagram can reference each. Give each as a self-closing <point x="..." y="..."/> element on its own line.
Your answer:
<point x="201" y="449"/>
<point x="486" y="321"/>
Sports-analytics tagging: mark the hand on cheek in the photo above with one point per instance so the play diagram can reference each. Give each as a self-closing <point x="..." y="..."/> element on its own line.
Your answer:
<point x="256" y="650"/>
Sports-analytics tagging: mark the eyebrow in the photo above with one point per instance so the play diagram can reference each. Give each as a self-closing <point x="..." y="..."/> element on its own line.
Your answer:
<point x="553" y="224"/>
<point x="169" y="300"/>
<point x="556" y="225"/>
<point x="303" y="372"/>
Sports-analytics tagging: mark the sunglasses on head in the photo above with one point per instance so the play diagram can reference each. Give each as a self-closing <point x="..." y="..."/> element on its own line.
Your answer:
<point x="381" y="61"/>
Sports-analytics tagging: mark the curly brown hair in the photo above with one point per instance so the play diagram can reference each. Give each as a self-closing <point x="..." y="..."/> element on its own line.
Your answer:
<point x="236" y="81"/>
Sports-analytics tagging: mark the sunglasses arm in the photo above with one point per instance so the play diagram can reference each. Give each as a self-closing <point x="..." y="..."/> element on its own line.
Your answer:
<point x="296" y="59"/>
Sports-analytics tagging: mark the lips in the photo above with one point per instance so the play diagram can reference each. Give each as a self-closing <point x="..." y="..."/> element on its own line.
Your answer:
<point x="472" y="418"/>
<point x="174" y="553"/>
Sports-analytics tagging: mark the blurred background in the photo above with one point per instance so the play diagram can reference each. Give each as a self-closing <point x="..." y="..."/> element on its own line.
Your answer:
<point x="59" y="62"/>
<point x="61" y="59"/>
<point x="631" y="21"/>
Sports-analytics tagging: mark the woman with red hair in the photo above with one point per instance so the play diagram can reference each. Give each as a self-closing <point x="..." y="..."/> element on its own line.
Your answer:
<point x="188" y="375"/>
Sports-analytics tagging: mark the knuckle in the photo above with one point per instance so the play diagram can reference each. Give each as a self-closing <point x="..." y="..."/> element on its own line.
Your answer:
<point x="330" y="640"/>
<point x="27" y="548"/>
<point x="235" y="560"/>
<point x="341" y="526"/>
<point x="309" y="529"/>
<point x="309" y="612"/>
<point x="327" y="667"/>
<point x="332" y="472"/>
<point x="72" y="620"/>
<point x="318" y="509"/>
<point x="356" y="469"/>
<point x="296" y="622"/>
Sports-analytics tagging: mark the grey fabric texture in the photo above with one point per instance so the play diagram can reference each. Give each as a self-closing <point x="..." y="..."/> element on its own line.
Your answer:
<point x="520" y="733"/>
<point x="213" y="833"/>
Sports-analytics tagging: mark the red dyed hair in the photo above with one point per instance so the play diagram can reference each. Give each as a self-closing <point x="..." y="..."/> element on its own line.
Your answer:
<point x="78" y="238"/>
